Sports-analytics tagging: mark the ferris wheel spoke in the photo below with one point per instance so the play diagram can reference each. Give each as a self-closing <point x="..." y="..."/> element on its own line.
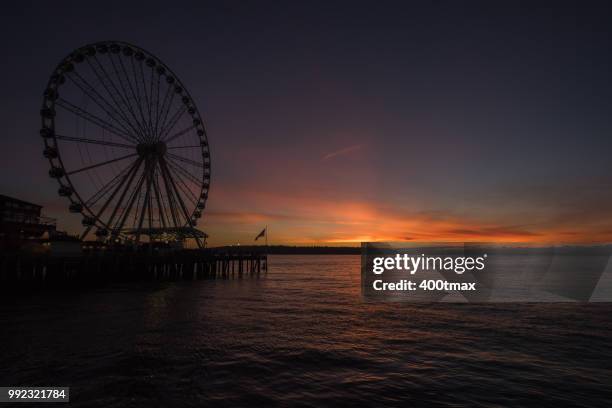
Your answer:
<point x="99" y="100"/>
<point x="149" y="167"/>
<point x="135" y="88"/>
<point x="160" y="203"/>
<point x="166" y="128"/>
<point x="186" y="189"/>
<point x="151" y="106"/>
<point x="148" y="100"/>
<point x="90" y="117"/>
<point x="98" y="216"/>
<point x="157" y="107"/>
<point x="166" y="110"/>
<point x="184" y="147"/>
<point x="161" y="115"/>
<point x="193" y="199"/>
<point x="104" y="163"/>
<point x="108" y="77"/>
<point x="176" y="205"/>
<point x="153" y="203"/>
<point x="135" y="217"/>
<point x="179" y="134"/>
<point x="93" y="141"/>
<point x="185" y="172"/>
<point x="112" y="95"/>
<point x="186" y="160"/>
<point x="178" y="196"/>
<point x="91" y="201"/>
<point x="98" y="195"/>
<point x="126" y="212"/>
<point x="170" y="197"/>
<point x="150" y="211"/>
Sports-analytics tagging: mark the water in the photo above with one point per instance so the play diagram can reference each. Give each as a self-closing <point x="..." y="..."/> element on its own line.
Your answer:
<point x="302" y="336"/>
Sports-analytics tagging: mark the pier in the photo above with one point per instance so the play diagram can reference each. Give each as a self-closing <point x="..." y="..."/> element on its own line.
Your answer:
<point x="99" y="268"/>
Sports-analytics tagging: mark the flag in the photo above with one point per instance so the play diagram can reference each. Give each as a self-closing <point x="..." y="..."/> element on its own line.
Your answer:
<point x="261" y="234"/>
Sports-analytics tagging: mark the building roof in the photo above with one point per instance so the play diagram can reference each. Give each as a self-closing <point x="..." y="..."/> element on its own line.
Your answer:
<point x="16" y="200"/>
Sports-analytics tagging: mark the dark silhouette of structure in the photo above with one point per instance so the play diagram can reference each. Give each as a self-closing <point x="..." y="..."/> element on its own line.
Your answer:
<point x="127" y="145"/>
<point x="100" y="268"/>
<point x="21" y="220"/>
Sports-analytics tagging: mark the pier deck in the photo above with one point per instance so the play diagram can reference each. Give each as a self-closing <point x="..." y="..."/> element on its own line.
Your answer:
<point x="111" y="267"/>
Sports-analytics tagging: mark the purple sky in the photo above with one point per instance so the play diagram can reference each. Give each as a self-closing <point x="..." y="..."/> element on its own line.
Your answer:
<point x="378" y="120"/>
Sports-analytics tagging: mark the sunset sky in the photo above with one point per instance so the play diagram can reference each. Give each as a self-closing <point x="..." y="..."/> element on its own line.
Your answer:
<point x="358" y="121"/>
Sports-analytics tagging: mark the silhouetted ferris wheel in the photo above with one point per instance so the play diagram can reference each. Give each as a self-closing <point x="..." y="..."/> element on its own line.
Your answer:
<point x="126" y="144"/>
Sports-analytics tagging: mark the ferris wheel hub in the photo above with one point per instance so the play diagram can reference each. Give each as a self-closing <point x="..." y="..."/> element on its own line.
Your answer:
<point x="151" y="149"/>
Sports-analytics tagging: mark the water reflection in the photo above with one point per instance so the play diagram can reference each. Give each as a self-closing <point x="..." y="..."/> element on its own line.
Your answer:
<point x="302" y="335"/>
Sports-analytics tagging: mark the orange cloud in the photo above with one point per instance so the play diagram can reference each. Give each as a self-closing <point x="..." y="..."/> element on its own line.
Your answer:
<point x="342" y="152"/>
<point x="301" y="219"/>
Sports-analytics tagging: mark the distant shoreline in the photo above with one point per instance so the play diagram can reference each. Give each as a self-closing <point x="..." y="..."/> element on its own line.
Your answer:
<point x="560" y="249"/>
<point x="292" y="250"/>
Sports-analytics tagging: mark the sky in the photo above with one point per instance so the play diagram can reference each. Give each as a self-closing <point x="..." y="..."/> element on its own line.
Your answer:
<point x="340" y="122"/>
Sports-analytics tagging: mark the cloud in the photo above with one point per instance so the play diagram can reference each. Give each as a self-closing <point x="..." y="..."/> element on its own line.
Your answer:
<point x="301" y="216"/>
<point x="342" y="152"/>
<point x="496" y="232"/>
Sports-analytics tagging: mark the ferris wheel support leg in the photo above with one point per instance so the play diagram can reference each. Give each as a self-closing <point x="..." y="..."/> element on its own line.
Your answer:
<point x="123" y="194"/>
<point x="130" y="201"/>
<point x="150" y="165"/>
<point x="131" y="173"/>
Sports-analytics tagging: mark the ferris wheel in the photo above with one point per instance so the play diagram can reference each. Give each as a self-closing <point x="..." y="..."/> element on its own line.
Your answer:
<point x="127" y="144"/>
